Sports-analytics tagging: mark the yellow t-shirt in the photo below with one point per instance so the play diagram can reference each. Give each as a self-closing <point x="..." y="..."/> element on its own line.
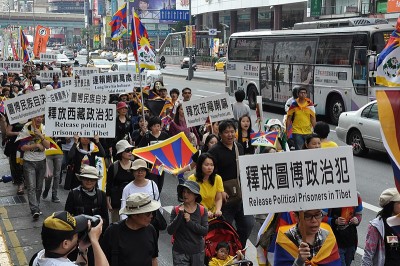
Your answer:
<point x="208" y="192"/>
<point x="218" y="262"/>
<point x="302" y="120"/>
<point x="328" y="144"/>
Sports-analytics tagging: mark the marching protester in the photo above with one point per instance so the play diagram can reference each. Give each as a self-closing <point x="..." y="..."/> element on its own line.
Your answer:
<point x="118" y="176"/>
<point x="54" y="158"/>
<point x="322" y="129"/>
<point x="281" y="142"/>
<point x="239" y="107"/>
<point x="186" y="94"/>
<point x="312" y="141"/>
<point x="179" y="125"/>
<point x="33" y="143"/>
<point x="87" y="199"/>
<point x="381" y="242"/>
<point x="124" y="127"/>
<point x="133" y="241"/>
<point x="243" y="134"/>
<point x="83" y="151"/>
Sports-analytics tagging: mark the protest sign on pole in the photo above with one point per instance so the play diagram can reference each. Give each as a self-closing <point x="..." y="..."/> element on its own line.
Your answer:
<point x="48" y="57"/>
<point x="46" y="76"/>
<point x="11" y="66"/>
<point x="85" y="120"/>
<point x="218" y="107"/>
<point x="300" y="180"/>
<point x="82" y="83"/>
<point x="115" y="82"/>
<point x="84" y="71"/>
<point x="89" y="97"/>
<point x="58" y="95"/>
<point x="26" y="106"/>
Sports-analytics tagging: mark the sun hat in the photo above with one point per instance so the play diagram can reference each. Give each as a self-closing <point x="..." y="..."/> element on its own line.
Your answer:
<point x="137" y="203"/>
<point x="272" y="122"/>
<point x="121" y="105"/>
<point x="192" y="186"/>
<point x="89" y="172"/>
<point x="388" y="195"/>
<point x="63" y="221"/>
<point x="122" y="145"/>
<point x="49" y="87"/>
<point x="138" y="163"/>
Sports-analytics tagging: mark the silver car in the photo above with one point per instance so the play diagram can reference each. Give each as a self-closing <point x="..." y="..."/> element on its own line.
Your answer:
<point x="361" y="129"/>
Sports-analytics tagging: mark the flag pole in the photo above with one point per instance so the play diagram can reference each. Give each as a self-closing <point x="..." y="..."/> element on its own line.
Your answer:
<point x="137" y="64"/>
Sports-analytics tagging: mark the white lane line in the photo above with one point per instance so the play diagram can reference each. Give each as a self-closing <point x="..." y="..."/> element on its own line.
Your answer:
<point x="212" y="92"/>
<point x="200" y="95"/>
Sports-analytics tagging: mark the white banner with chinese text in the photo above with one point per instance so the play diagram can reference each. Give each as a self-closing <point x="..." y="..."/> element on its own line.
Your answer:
<point x="114" y="82"/>
<point x="11" y="66"/>
<point x="85" y="120"/>
<point x="89" y="97"/>
<point x="218" y="107"/>
<point x="46" y="76"/>
<point x="84" y="71"/>
<point x="58" y="95"/>
<point x="48" y="57"/>
<point x="26" y="106"/>
<point x="299" y="180"/>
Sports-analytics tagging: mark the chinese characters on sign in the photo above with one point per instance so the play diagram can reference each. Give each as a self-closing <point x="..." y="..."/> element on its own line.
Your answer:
<point x="82" y="83"/>
<point x="91" y="97"/>
<point x="85" y="71"/>
<point x="48" y="58"/>
<point x="21" y="108"/>
<point x="85" y="120"/>
<point x="300" y="180"/>
<point x="11" y="66"/>
<point x="217" y="107"/>
<point x="67" y="82"/>
<point x="116" y="82"/>
<point x="59" y="95"/>
<point x="46" y="76"/>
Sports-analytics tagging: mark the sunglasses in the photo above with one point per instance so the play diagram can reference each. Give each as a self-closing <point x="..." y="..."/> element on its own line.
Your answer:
<point x="128" y="150"/>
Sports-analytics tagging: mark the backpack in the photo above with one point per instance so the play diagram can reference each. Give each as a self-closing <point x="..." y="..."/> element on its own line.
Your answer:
<point x="176" y="209"/>
<point x="78" y="203"/>
<point x="114" y="242"/>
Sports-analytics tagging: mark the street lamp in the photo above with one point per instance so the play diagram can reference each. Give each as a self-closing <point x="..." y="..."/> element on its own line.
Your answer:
<point x="225" y="27"/>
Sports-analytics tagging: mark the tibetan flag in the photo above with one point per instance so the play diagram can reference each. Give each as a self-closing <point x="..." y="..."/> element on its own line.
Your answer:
<point x="286" y="251"/>
<point x="388" y="64"/>
<point x="142" y="49"/>
<point x="166" y="120"/>
<point x="264" y="139"/>
<point x="119" y="24"/>
<point x="174" y="153"/>
<point x="157" y="168"/>
<point x="24" y="45"/>
<point x="308" y="107"/>
<point x="389" y="117"/>
<point x="13" y="48"/>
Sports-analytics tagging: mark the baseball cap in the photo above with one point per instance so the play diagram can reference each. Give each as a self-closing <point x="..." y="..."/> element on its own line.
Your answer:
<point x="388" y="195"/>
<point x="63" y="221"/>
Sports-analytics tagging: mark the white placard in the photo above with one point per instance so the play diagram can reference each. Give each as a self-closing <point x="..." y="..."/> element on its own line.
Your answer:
<point x="59" y="95"/>
<point x="82" y="83"/>
<point x="84" y="71"/>
<point x="89" y="97"/>
<point x="114" y="82"/>
<point x="48" y="57"/>
<point x="218" y="107"/>
<point x="85" y="120"/>
<point x="299" y="180"/>
<point x="67" y="82"/>
<point x="46" y="76"/>
<point x="26" y="106"/>
<point x="11" y="66"/>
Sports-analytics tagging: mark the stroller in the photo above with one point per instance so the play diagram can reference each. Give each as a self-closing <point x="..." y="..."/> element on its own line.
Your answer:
<point x="220" y="230"/>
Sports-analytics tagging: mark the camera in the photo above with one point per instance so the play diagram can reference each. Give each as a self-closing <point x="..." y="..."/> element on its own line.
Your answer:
<point x="94" y="221"/>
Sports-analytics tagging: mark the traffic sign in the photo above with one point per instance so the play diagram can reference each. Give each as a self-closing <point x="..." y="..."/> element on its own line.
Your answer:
<point x="212" y="32"/>
<point x="174" y="15"/>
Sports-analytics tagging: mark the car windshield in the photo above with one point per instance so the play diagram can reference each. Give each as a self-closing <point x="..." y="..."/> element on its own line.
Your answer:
<point x="101" y="62"/>
<point x="61" y="56"/>
<point x="127" y="68"/>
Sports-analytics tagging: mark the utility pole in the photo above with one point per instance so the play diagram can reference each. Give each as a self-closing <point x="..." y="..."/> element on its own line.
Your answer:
<point x="87" y="29"/>
<point x="190" y="70"/>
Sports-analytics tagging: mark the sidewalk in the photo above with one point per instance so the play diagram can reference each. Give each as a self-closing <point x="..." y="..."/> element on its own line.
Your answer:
<point x="202" y="73"/>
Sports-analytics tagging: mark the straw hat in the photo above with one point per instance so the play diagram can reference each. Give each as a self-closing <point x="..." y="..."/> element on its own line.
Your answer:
<point x="137" y="203"/>
<point x="89" y="172"/>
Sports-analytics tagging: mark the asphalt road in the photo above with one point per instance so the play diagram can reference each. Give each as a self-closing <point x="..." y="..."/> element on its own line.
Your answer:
<point x="373" y="174"/>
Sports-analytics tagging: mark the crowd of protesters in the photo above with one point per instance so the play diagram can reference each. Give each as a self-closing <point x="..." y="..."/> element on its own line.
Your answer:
<point x="129" y="205"/>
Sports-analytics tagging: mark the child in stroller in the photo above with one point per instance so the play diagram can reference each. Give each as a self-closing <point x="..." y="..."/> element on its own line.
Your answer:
<point x="223" y="258"/>
<point x="222" y="235"/>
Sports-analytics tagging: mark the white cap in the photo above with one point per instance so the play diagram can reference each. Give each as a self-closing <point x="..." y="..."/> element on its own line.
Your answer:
<point x="49" y="87"/>
<point x="36" y="87"/>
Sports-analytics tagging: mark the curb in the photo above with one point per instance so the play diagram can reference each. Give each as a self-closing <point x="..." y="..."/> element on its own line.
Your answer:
<point x="5" y="258"/>
<point x="194" y="77"/>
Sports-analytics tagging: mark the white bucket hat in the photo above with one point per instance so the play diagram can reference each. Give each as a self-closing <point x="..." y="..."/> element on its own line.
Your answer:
<point x="137" y="203"/>
<point x="49" y="87"/>
<point x="139" y="163"/>
<point x="122" y="145"/>
<point x="89" y="172"/>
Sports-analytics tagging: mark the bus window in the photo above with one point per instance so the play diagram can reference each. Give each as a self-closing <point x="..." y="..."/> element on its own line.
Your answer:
<point x="247" y="49"/>
<point x="379" y="40"/>
<point x="334" y="50"/>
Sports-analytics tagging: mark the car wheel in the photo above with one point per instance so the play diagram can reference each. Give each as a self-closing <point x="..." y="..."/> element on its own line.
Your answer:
<point x="356" y="141"/>
<point x="216" y="69"/>
<point x="181" y="67"/>
<point x="336" y="107"/>
<point x="252" y="97"/>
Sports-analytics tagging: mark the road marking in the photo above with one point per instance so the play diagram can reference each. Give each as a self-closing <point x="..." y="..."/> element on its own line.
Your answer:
<point x="212" y="92"/>
<point x="371" y="207"/>
<point x="13" y="239"/>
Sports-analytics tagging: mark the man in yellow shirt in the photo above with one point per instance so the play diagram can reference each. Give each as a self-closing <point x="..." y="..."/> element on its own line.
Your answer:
<point x="302" y="112"/>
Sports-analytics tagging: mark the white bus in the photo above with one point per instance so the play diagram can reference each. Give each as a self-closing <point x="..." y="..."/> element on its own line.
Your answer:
<point x="332" y="63"/>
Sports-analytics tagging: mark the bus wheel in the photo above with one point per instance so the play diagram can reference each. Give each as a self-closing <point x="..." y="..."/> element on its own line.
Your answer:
<point x="336" y="107"/>
<point x="252" y="97"/>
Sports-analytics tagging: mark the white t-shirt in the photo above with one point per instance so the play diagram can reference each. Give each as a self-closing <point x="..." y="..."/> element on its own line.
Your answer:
<point x="41" y="260"/>
<point x="132" y="188"/>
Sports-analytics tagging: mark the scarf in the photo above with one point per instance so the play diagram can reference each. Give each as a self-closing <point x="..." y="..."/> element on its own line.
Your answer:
<point x="92" y="148"/>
